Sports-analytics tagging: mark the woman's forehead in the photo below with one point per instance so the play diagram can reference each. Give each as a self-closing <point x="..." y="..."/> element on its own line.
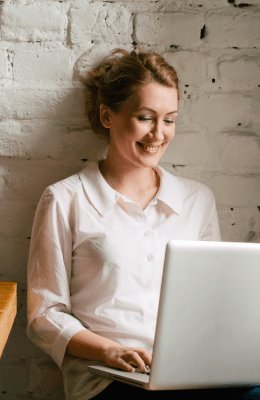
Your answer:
<point x="155" y="97"/>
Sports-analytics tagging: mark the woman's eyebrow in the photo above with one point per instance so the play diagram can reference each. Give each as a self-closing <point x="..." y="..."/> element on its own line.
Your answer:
<point x="150" y="109"/>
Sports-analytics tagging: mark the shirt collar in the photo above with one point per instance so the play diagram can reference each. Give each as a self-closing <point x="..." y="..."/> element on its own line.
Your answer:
<point x="171" y="190"/>
<point x="103" y="197"/>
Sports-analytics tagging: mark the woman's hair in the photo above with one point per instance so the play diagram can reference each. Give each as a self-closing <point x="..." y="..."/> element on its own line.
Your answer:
<point x="119" y="77"/>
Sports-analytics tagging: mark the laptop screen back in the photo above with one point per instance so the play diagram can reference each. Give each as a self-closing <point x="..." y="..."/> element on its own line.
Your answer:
<point x="208" y="326"/>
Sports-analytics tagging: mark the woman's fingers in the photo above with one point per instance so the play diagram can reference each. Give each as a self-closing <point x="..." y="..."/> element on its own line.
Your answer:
<point x="145" y="355"/>
<point x="134" y="358"/>
<point x="127" y="357"/>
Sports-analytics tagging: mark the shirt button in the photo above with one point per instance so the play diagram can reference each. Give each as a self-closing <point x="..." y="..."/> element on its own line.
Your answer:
<point x="150" y="257"/>
<point x="150" y="305"/>
<point x="149" y="284"/>
<point x="147" y="233"/>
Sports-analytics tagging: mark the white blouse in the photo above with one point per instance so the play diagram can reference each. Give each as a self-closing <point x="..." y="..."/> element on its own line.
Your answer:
<point x="96" y="257"/>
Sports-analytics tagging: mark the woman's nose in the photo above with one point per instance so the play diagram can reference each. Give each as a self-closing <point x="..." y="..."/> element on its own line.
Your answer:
<point x="157" y="131"/>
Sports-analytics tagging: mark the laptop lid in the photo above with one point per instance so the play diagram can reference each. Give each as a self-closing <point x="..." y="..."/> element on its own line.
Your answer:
<point x="208" y="326"/>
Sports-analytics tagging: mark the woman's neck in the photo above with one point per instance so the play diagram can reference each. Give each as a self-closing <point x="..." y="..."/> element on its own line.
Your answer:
<point x="136" y="183"/>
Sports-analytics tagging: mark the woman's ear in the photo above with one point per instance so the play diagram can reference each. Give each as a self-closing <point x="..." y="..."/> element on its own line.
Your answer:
<point x="105" y="113"/>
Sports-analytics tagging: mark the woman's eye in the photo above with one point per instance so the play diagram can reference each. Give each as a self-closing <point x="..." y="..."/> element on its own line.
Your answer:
<point x="144" y="118"/>
<point x="169" y="121"/>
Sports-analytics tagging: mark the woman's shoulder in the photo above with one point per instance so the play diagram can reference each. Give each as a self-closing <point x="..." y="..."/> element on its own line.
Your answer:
<point x="67" y="186"/>
<point x="193" y="186"/>
<point x="188" y="186"/>
<point x="71" y="187"/>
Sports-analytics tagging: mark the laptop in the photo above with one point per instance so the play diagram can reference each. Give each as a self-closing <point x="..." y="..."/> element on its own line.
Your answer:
<point x="208" y="324"/>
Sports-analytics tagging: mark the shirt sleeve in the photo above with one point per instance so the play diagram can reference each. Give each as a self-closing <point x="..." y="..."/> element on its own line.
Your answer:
<point x="50" y="322"/>
<point x="210" y="230"/>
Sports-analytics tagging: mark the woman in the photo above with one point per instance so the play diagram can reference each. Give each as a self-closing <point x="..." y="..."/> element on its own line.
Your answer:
<point x="99" y="237"/>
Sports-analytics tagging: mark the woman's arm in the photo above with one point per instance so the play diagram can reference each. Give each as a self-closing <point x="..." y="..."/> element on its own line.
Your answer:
<point x="88" y="345"/>
<point x="50" y="321"/>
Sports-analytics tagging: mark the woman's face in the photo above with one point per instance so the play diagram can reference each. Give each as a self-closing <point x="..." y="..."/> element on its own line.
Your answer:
<point x="142" y="129"/>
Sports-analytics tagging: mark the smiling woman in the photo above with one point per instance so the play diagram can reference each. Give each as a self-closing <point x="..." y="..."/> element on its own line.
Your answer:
<point x="99" y="236"/>
<point x="139" y="119"/>
<point x="139" y="134"/>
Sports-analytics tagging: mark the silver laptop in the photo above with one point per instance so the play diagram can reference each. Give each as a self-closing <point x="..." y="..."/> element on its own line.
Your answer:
<point x="208" y="324"/>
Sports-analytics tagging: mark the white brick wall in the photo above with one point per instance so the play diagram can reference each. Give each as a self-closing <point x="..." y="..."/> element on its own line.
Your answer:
<point x="233" y="29"/>
<point x="45" y="46"/>
<point x="3" y="64"/>
<point x="29" y="20"/>
<point x="100" y="21"/>
<point x="179" y="28"/>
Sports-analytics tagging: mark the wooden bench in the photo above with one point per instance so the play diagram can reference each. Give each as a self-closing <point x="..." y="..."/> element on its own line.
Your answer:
<point x="8" y="310"/>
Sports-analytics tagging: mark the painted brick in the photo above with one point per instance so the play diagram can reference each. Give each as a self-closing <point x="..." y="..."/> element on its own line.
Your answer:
<point x="183" y="116"/>
<point x="110" y="23"/>
<point x="245" y="226"/>
<point x="8" y="131"/>
<point x="84" y="145"/>
<point x="12" y="260"/>
<point x="204" y="3"/>
<point x="16" y="219"/>
<point x="194" y="172"/>
<point x="179" y="29"/>
<point x="27" y="179"/>
<point x="3" y="63"/>
<point x="235" y="190"/>
<point x="29" y="20"/>
<point x="35" y="139"/>
<point x="53" y="103"/>
<point x="241" y="224"/>
<point x="239" y="152"/>
<point x="41" y="139"/>
<point x="251" y="2"/>
<point x="191" y="67"/>
<point x="239" y="74"/>
<point x="39" y="66"/>
<point x="238" y="29"/>
<point x="256" y="114"/>
<point x="218" y="111"/>
<point x="187" y="149"/>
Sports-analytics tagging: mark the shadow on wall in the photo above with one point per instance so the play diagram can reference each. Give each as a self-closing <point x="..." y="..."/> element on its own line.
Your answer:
<point x="25" y="369"/>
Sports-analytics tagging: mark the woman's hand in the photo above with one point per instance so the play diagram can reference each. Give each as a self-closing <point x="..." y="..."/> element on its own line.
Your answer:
<point x="89" y="345"/>
<point x="125" y="357"/>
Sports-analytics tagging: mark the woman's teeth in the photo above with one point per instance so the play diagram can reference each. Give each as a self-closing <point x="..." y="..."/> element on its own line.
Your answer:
<point x="151" y="149"/>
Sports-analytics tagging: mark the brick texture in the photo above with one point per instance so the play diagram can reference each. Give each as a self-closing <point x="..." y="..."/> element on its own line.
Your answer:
<point x="169" y="29"/>
<point x="3" y="63"/>
<point x="97" y="21"/>
<point x="28" y="20"/>
<point x="233" y="30"/>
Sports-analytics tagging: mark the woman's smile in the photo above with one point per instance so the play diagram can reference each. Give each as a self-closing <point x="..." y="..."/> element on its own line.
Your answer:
<point x="148" y="148"/>
<point x="142" y="129"/>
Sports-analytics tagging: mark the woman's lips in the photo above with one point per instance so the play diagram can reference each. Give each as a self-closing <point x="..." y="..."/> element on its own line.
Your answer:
<point x="148" y="148"/>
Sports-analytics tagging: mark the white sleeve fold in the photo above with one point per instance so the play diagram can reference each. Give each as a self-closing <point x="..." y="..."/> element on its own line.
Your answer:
<point x="50" y="323"/>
